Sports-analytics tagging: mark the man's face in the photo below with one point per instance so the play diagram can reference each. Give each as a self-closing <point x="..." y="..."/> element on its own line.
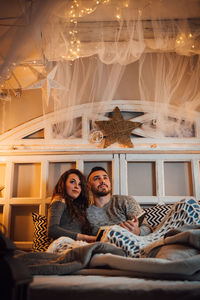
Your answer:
<point x="99" y="183"/>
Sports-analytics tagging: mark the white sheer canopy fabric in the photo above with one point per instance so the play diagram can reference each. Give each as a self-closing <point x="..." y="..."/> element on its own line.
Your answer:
<point x="152" y="47"/>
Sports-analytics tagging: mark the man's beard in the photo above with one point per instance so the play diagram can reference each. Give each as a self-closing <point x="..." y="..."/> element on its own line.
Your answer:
<point x="100" y="193"/>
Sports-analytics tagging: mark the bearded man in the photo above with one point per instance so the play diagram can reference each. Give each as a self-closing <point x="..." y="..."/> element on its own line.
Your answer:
<point x="110" y="209"/>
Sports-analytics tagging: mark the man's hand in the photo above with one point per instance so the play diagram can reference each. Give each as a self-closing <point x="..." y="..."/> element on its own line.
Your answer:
<point x="131" y="225"/>
<point x="86" y="238"/>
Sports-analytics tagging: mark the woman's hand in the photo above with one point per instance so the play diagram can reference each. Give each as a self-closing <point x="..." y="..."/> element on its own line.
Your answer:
<point x="86" y="238"/>
<point x="132" y="225"/>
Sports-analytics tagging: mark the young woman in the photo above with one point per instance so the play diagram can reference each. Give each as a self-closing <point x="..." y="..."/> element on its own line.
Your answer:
<point x="67" y="211"/>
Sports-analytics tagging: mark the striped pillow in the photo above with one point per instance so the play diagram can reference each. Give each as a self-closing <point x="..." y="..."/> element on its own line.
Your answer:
<point x="40" y="239"/>
<point x="155" y="214"/>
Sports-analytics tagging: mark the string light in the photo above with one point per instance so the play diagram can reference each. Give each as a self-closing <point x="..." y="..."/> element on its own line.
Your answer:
<point x="126" y="4"/>
<point x="188" y="41"/>
<point x="140" y="12"/>
<point x="118" y="13"/>
<point x="181" y="40"/>
<point x="78" y="10"/>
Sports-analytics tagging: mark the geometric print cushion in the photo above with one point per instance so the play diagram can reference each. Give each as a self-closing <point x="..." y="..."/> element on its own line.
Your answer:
<point x="40" y="239"/>
<point x="155" y="214"/>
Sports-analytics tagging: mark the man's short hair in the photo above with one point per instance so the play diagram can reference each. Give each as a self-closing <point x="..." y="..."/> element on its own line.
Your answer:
<point x="98" y="168"/>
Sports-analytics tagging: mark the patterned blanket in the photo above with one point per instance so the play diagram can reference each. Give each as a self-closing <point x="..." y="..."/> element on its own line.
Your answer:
<point x="184" y="212"/>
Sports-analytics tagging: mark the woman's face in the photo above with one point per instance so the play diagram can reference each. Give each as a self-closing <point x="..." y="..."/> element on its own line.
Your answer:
<point x="73" y="186"/>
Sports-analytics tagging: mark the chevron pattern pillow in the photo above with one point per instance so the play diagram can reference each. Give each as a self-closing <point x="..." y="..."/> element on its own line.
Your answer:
<point x="155" y="214"/>
<point x="40" y="239"/>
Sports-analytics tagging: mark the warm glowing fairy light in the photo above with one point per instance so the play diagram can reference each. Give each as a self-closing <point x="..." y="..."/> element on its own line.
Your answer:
<point x="78" y="10"/>
<point x="140" y="12"/>
<point x="126" y="4"/>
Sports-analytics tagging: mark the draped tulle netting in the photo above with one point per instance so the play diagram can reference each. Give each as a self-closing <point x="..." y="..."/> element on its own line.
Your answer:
<point x="105" y="50"/>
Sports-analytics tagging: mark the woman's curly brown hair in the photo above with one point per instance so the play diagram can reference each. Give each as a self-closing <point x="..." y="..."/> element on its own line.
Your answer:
<point x="75" y="207"/>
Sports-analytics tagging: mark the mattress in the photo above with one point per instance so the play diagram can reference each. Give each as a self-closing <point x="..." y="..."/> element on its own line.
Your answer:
<point x="110" y="285"/>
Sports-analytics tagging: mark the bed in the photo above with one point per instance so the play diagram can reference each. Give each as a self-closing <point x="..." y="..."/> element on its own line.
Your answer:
<point x="170" y="269"/>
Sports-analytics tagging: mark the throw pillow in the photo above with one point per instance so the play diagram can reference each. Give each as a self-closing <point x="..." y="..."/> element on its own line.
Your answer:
<point x="40" y="239"/>
<point x="155" y="214"/>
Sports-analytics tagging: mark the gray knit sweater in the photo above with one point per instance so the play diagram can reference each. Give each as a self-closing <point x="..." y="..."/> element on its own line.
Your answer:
<point x="119" y="209"/>
<point x="60" y="222"/>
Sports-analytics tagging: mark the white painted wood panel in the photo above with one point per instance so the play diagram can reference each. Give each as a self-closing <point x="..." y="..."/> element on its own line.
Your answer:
<point x="183" y="182"/>
<point x="123" y="175"/>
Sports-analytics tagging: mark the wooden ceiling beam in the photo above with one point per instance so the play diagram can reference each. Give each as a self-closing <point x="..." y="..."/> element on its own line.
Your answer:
<point x="110" y="31"/>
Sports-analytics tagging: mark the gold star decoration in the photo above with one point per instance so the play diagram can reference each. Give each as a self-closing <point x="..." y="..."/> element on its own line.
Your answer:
<point x="117" y="129"/>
